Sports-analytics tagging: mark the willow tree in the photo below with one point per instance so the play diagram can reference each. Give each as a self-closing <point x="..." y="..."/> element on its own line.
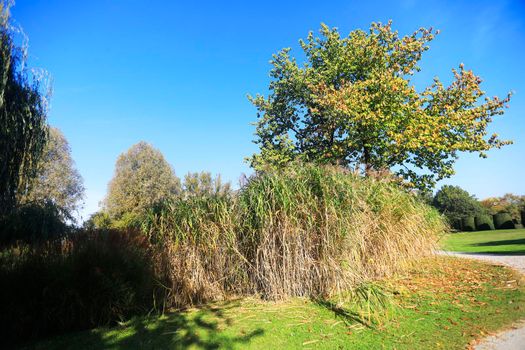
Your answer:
<point x="352" y="103"/>
<point x="23" y="115"/>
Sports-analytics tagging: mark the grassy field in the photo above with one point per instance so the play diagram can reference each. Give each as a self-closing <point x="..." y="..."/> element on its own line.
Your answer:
<point x="510" y="242"/>
<point x="445" y="304"/>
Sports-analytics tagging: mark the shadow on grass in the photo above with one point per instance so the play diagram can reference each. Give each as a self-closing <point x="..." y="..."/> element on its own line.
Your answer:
<point x="508" y="242"/>
<point x="497" y="243"/>
<point x="497" y="253"/>
<point x="200" y="329"/>
<point x="349" y="317"/>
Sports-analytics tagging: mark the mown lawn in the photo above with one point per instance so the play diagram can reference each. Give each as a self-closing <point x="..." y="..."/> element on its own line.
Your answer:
<point x="445" y="304"/>
<point x="510" y="242"/>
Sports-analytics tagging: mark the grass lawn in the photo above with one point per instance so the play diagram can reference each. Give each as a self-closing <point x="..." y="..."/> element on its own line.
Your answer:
<point x="510" y="242"/>
<point x="445" y="304"/>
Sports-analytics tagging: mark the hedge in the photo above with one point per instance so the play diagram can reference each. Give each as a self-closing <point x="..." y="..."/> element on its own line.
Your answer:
<point x="503" y="221"/>
<point x="468" y="223"/>
<point x="484" y="222"/>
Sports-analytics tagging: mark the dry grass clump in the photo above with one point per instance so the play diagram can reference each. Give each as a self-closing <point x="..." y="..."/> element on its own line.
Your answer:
<point x="304" y="231"/>
<point x="194" y="239"/>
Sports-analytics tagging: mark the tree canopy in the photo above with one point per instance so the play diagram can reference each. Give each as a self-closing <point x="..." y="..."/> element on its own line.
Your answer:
<point x="57" y="180"/>
<point x="508" y="203"/>
<point x="142" y="178"/>
<point x="352" y="103"/>
<point x="23" y="117"/>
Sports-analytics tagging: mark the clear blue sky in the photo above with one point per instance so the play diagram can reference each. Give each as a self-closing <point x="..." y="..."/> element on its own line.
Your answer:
<point x="176" y="74"/>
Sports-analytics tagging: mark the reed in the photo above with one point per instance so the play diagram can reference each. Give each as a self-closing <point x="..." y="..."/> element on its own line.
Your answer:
<point x="303" y="231"/>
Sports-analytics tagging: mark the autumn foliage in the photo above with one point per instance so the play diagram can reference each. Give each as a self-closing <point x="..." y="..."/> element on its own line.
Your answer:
<point x="353" y="103"/>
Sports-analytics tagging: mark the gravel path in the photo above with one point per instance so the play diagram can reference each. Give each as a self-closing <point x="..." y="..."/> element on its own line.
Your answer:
<point x="513" y="339"/>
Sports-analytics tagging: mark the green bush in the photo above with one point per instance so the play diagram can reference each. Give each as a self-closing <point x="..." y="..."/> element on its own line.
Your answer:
<point x="484" y="222"/>
<point x="503" y="221"/>
<point x="72" y="284"/>
<point x="468" y="223"/>
<point x="523" y="218"/>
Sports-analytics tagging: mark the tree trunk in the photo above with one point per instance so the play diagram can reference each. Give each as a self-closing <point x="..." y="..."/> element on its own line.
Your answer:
<point x="366" y="160"/>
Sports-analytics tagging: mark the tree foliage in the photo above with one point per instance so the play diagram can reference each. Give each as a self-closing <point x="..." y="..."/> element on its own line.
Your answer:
<point x="98" y="220"/>
<point x="509" y="203"/>
<point x="352" y="103"/>
<point x="142" y="178"/>
<point x="204" y="184"/>
<point x="456" y="204"/>
<point x="23" y="115"/>
<point x="57" y="180"/>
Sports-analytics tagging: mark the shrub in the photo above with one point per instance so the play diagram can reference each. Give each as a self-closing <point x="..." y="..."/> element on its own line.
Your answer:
<point x="484" y="223"/>
<point x="468" y="223"/>
<point x="503" y="221"/>
<point x="310" y="231"/>
<point x="72" y="284"/>
<point x="523" y="218"/>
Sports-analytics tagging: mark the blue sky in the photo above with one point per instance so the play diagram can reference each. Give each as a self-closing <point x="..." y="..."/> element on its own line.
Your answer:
<point x="176" y="74"/>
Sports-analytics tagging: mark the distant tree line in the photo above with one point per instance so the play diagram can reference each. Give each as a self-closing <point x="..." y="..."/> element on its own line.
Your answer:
<point x="466" y="213"/>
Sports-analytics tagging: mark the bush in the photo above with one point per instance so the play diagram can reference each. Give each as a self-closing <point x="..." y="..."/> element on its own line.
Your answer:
<point x="73" y="284"/>
<point x="468" y="223"/>
<point x="309" y="231"/>
<point x="503" y="221"/>
<point x="484" y="223"/>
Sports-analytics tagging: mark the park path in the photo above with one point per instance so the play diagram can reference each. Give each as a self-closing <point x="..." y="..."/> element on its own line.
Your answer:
<point x="513" y="339"/>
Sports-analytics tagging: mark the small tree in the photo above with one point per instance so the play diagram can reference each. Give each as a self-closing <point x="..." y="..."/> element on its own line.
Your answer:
<point x="456" y="204"/>
<point x="352" y="103"/>
<point x="203" y="184"/>
<point x="23" y="117"/>
<point x="57" y="180"/>
<point x="142" y="178"/>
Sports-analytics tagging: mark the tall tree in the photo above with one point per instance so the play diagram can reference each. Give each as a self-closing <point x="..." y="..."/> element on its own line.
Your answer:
<point x="142" y="178"/>
<point x="352" y="103"/>
<point x="23" y="116"/>
<point x="57" y="180"/>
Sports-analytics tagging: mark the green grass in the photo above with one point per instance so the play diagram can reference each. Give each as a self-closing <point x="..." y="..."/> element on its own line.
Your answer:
<point x="510" y="242"/>
<point x="445" y="304"/>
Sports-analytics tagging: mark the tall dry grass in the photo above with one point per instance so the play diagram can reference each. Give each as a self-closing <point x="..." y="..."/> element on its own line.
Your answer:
<point x="304" y="231"/>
